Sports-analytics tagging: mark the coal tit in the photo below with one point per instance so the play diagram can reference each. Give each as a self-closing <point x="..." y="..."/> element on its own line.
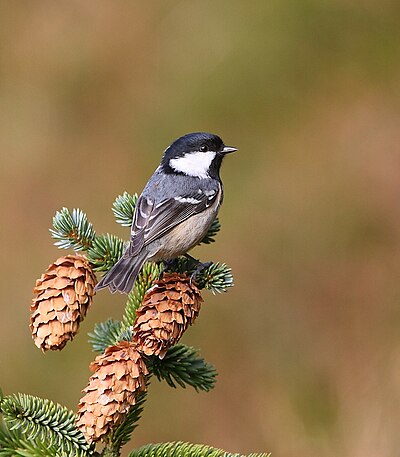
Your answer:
<point x="176" y="208"/>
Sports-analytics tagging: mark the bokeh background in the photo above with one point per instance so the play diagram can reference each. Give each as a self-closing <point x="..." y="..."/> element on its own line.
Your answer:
<point x="307" y="344"/>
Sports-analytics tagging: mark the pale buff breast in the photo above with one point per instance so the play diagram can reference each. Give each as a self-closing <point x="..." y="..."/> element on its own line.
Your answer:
<point x="186" y="235"/>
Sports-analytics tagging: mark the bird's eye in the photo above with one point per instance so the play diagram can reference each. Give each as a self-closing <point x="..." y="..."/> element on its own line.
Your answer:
<point x="203" y="148"/>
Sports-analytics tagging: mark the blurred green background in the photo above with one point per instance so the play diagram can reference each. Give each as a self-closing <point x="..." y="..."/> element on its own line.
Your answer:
<point x="307" y="344"/>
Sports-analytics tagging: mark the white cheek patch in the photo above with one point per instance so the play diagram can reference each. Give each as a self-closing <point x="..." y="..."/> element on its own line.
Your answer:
<point x="194" y="164"/>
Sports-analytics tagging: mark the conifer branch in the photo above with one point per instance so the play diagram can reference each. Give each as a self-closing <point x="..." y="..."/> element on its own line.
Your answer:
<point x="104" y="334"/>
<point x="105" y="251"/>
<point x="183" y="366"/>
<point x="124" y="207"/>
<point x="72" y="230"/>
<point x="12" y="444"/>
<point x="108" y="333"/>
<point x="217" y="278"/>
<point x="150" y="273"/>
<point x="33" y="427"/>
<point x="180" y="449"/>
<point x="43" y="421"/>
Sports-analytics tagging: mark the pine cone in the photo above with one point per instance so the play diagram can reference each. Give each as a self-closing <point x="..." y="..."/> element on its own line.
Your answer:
<point x="167" y="310"/>
<point x="118" y="378"/>
<point x="64" y="293"/>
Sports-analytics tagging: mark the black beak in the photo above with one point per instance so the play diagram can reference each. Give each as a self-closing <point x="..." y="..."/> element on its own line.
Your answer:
<point x="228" y="149"/>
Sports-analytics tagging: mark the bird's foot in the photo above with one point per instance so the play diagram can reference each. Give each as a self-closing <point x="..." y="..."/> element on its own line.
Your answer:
<point x="191" y="265"/>
<point x="201" y="266"/>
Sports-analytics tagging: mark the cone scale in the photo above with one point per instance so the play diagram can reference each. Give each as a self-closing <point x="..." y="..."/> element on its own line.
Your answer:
<point x="119" y="376"/>
<point x="63" y="295"/>
<point x="168" y="309"/>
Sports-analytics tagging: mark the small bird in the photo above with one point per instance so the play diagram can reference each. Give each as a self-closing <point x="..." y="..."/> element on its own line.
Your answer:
<point x="176" y="208"/>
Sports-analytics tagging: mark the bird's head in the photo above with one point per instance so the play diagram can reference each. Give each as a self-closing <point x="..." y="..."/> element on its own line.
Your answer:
<point x="196" y="154"/>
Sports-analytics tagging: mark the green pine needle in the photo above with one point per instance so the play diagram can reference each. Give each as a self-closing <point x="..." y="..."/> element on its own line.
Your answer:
<point x="72" y="230"/>
<point x="150" y="273"/>
<point x="124" y="207"/>
<point x="180" y="449"/>
<point x="105" y="251"/>
<point x="212" y="231"/>
<point x="108" y="333"/>
<point x="183" y="366"/>
<point x="217" y="278"/>
<point x="42" y="420"/>
<point x="12" y="444"/>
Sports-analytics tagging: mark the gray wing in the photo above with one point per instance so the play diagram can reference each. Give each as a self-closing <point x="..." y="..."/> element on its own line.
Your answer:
<point x="151" y="221"/>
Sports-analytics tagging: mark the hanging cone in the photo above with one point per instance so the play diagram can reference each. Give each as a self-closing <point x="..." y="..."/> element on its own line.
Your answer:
<point x="168" y="309"/>
<point x="118" y="379"/>
<point x="64" y="293"/>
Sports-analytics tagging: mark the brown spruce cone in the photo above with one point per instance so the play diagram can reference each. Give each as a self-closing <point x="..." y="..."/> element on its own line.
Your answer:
<point x="168" y="309"/>
<point x="64" y="293"/>
<point x="118" y="379"/>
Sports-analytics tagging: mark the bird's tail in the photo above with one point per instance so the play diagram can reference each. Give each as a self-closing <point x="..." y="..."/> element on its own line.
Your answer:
<point x="122" y="275"/>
